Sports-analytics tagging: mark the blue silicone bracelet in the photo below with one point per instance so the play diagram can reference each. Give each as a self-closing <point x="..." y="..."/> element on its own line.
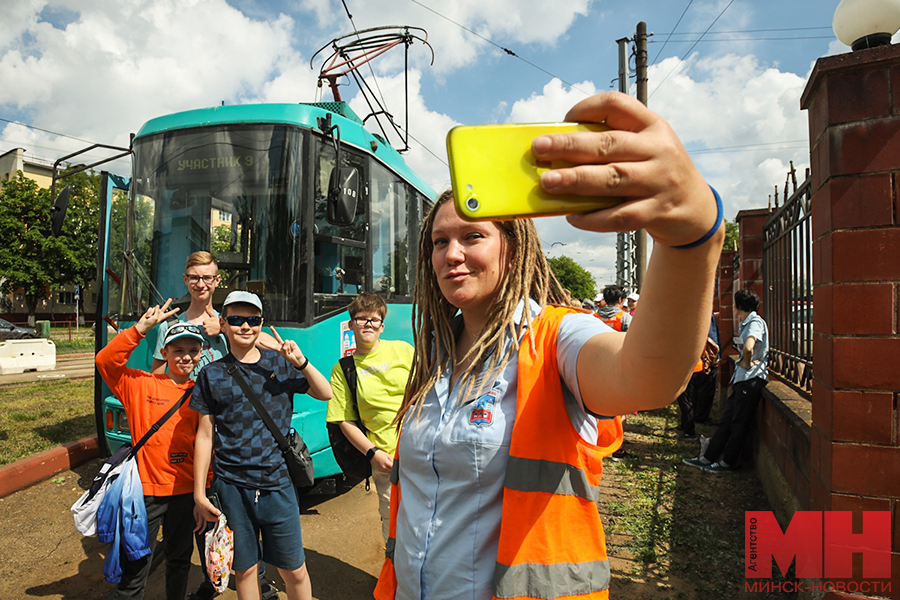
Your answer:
<point x="715" y="227"/>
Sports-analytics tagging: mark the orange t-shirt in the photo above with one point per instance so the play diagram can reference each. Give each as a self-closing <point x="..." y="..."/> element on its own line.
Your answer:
<point x="166" y="461"/>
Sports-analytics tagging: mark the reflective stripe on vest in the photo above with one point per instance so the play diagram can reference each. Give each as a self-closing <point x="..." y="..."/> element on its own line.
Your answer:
<point x="552" y="543"/>
<point x="533" y="475"/>
<point x="395" y="480"/>
<point x="551" y="581"/>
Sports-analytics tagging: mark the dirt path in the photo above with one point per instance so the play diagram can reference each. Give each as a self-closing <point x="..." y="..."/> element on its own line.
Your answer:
<point x="42" y="556"/>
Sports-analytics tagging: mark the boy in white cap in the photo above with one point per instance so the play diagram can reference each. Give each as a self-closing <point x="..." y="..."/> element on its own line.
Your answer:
<point x="165" y="462"/>
<point x="251" y="479"/>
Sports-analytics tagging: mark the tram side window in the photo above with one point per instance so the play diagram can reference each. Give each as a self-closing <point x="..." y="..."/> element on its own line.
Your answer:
<point x="389" y="233"/>
<point x="324" y="165"/>
<point x="340" y="267"/>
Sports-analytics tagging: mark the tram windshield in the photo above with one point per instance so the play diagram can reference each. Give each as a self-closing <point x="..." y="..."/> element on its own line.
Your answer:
<point x="235" y="191"/>
<point x="238" y="192"/>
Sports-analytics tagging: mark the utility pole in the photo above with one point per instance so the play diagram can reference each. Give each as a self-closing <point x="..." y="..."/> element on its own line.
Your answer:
<point x="640" y="42"/>
<point x="625" y="275"/>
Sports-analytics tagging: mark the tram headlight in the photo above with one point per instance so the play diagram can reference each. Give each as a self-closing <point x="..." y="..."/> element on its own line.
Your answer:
<point x="122" y="422"/>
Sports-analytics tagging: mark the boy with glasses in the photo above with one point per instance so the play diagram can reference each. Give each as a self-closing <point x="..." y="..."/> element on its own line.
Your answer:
<point x="251" y="479"/>
<point x="201" y="276"/>
<point x="382" y="368"/>
<point x="165" y="462"/>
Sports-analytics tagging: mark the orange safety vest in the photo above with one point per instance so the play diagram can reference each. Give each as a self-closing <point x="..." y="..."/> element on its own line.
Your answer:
<point x="551" y="539"/>
<point x="614" y="321"/>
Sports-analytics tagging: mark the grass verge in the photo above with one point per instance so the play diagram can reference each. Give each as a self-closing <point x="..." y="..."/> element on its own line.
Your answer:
<point x="38" y="416"/>
<point x="71" y="341"/>
<point x="676" y="526"/>
<point x="75" y="346"/>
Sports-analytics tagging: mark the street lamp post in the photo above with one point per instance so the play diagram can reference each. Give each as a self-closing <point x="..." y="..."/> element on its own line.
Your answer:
<point x="866" y="23"/>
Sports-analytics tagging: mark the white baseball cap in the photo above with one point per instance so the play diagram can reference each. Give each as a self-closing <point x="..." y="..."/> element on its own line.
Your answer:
<point x="633" y="296"/>
<point x="181" y="330"/>
<point x="242" y="297"/>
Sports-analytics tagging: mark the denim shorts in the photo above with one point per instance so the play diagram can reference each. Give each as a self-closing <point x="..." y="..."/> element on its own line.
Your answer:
<point x="273" y="513"/>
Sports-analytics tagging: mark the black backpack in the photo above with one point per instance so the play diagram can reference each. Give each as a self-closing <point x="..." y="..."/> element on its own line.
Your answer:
<point x="351" y="461"/>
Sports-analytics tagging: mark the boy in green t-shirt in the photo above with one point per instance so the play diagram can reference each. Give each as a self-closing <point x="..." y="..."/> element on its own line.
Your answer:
<point x="382" y="369"/>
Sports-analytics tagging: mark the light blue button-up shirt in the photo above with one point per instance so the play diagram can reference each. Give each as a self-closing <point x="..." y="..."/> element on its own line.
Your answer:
<point x="453" y="457"/>
<point x="753" y="326"/>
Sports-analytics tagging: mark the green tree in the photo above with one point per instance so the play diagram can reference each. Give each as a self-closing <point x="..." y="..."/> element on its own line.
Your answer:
<point x="573" y="277"/>
<point x="78" y="236"/>
<point x="30" y="257"/>
<point x="731" y="235"/>
<point x="141" y="242"/>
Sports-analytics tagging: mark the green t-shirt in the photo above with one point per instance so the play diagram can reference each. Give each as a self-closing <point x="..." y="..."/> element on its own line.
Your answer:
<point x="381" y="380"/>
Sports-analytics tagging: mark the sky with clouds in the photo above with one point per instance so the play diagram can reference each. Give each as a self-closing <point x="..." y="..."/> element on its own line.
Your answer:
<point x="727" y="74"/>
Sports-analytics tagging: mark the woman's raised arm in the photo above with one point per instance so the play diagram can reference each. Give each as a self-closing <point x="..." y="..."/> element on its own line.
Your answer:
<point x="642" y="160"/>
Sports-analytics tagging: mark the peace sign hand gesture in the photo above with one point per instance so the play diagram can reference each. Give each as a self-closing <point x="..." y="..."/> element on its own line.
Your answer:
<point x="288" y="349"/>
<point x="211" y="323"/>
<point x="319" y="387"/>
<point x="154" y="316"/>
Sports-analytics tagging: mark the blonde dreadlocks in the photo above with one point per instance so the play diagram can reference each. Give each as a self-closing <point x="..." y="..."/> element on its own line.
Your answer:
<point x="528" y="276"/>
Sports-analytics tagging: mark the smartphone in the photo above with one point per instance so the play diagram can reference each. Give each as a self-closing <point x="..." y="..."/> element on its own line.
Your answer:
<point x="214" y="500"/>
<point x="495" y="177"/>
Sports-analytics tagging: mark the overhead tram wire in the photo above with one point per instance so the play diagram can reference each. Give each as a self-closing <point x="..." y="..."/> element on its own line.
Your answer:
<point x="506" y="50"/>
<point x="754" y="39"/>
<point x="672" y="32"/>
<point x="752" y="30"/>
<point x="47" y="131"/>
<point x="371" y="70"/>
<point x="686" y="54"/>
<point x="56" y="133"/>
<point x="752" y="148"/>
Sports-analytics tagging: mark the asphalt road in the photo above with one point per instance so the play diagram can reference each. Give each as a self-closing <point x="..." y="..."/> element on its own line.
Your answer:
<point x="68" y="366"/>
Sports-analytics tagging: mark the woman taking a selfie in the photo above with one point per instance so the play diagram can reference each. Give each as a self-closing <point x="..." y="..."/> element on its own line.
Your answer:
<point x="512" y="401"/>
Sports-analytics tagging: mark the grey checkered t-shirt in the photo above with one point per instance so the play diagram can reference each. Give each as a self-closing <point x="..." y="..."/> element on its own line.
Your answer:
<point x="245" y="450"/>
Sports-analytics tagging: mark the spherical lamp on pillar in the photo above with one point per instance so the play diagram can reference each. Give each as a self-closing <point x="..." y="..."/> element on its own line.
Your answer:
<point x="866" y="23"/>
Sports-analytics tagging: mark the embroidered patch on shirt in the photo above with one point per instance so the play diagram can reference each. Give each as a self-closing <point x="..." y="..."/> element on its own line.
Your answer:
<point x="483" y="411"/>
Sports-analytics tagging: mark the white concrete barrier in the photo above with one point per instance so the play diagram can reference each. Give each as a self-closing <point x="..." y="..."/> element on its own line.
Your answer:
<point x="18" y="356"/>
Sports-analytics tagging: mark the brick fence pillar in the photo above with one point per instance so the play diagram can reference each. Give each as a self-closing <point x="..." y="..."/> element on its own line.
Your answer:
<point x="750" y="227"/>
<point x="725" y="301"/>
<point x="853" y="104"/>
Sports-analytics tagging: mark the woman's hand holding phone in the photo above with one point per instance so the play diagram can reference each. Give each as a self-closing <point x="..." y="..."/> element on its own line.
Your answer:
<point x="639" y="159"/>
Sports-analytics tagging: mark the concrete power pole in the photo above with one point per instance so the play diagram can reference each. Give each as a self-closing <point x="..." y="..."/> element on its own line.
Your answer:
<point x="640" y="42"/>
<point x="625" y="259"/>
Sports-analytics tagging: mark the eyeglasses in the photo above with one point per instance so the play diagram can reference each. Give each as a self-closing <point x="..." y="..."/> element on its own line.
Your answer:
<point x="237" y="321"/>
<point x="362" y="321"/>
<point x="207" y="279"/>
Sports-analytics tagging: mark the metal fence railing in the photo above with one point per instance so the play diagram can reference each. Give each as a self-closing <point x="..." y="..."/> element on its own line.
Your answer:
<point x="787" y="281"/>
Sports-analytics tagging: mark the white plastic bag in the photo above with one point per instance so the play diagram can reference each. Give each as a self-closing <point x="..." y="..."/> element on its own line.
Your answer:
<point x="704" y="444"/>
<point x="85" y="509"/>
<point x="219" y="554"/>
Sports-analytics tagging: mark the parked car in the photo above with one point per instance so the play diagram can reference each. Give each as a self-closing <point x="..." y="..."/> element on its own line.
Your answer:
<point x="9" y="331"/>
<point x="111" y="329"/>
<point x="802" y="329"/>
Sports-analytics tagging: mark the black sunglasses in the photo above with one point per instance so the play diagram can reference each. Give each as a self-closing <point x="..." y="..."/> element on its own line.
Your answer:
<point x="237" y="321"/>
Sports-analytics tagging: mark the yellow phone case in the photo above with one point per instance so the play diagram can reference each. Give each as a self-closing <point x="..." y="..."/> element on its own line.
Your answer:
<point x="495" y="176"/>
